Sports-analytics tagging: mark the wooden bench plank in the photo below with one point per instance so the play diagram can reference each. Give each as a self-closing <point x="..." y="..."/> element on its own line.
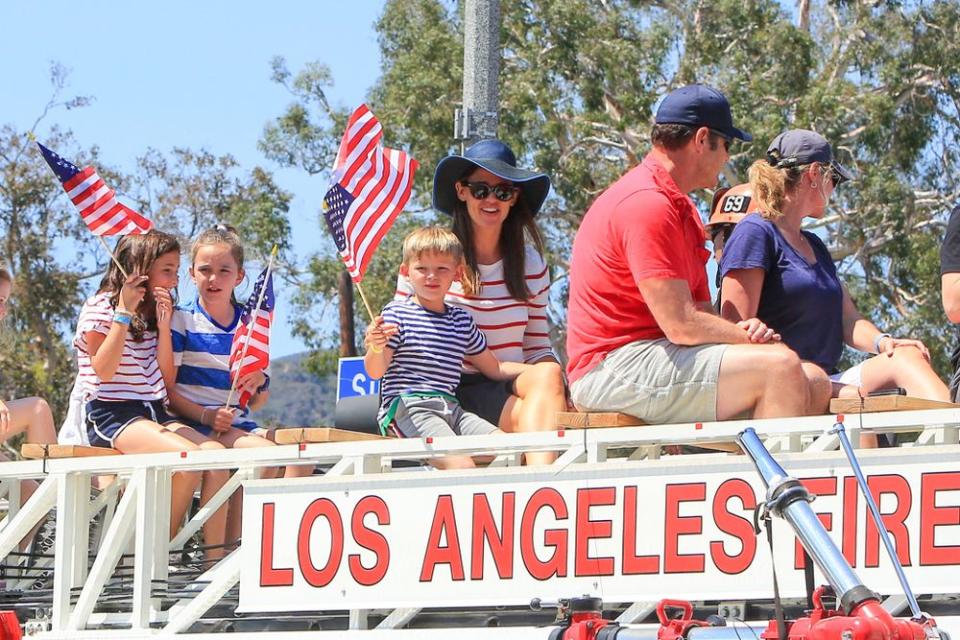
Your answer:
<point x="320" y="434"/>
<point x="579" y="420"/>
<point x="33" y="451"/>
<point x="887" y="403"/>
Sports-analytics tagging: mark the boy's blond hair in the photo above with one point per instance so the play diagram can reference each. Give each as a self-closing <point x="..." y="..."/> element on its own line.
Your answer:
<point x="431" y="240"/>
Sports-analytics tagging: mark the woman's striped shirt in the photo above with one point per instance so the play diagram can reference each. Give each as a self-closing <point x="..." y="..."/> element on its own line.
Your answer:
<point x="516" y="330"/>
<point x="138" y="376"/>
<point x="428" y="350"/>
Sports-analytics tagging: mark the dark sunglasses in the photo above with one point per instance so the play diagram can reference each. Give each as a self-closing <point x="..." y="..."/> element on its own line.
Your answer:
<point x="727" y="140"/>
<point x="831" y="174"/>
<point x="480" y="190"/>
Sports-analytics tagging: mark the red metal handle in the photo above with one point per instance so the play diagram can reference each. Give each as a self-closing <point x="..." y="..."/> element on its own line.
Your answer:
<point x="674" y="604"/>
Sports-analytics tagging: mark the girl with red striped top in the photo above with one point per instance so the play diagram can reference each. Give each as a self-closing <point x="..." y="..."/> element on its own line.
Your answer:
<point x="120" y="332"/>
<point x="505" y="287"/>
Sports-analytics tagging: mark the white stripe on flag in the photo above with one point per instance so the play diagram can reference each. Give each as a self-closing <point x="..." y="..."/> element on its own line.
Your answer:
<point x="384" y="216"/>
<point x="92" y="198"/>
<point x="107" y="222"/>
<point x="83" y="186"/>
<point x="368" y="243"/>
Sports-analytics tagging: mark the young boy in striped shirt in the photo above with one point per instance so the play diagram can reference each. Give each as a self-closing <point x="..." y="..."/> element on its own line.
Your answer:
<point x="418" y="346"/>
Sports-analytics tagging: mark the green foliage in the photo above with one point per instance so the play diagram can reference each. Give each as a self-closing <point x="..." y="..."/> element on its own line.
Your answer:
<point x="34" y="218"/>
<point x="193" y="190"/>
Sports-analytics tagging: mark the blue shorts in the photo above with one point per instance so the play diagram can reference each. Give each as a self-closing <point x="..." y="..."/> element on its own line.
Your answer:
<point x="105" y="420"/>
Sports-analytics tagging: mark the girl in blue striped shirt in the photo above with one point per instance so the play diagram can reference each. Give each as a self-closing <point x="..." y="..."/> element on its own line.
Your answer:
<point x="202" y="334"/>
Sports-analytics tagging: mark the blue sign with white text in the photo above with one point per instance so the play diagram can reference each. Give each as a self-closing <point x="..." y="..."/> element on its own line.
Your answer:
<point x="353" y="380"/>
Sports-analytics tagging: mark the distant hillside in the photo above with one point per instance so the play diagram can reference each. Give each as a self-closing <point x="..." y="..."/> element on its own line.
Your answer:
<point x="298" y="398"/>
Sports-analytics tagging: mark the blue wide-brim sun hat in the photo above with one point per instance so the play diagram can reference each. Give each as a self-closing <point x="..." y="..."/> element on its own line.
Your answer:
<point x="498" y="159"/>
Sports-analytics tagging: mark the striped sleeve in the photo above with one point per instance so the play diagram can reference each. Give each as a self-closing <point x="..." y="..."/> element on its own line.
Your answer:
<point x="536" y="335"/>
<point x="96" y="315"/>
<point x="476" y="342"/>
<point x="390" y="316"/>
<point x="178" y="335"/>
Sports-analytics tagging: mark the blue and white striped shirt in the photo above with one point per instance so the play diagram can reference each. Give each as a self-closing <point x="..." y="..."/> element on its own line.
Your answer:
<point x="201" y="351"/>
<point x="428" y="350"/>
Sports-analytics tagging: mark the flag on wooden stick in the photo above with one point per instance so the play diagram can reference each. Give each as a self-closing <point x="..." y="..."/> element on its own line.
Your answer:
<point x="250" y="350"/>
<point x="96" y="202"/>
<point x="371" y="186"/>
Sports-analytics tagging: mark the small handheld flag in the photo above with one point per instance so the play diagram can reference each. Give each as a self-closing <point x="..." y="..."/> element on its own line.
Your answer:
<point x="250" y="350"/>
<point x="371" y="186"/>
<point x="96" y="202"/>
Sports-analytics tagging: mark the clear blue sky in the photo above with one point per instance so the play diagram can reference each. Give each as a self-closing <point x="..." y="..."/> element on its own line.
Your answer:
<point x="186" y="73"/>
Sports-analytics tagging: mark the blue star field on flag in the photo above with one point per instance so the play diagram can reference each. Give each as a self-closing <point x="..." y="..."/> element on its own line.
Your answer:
<point x="63" y="168"/>
<point x="336" y="205"/>
<point x="268" y="299"/>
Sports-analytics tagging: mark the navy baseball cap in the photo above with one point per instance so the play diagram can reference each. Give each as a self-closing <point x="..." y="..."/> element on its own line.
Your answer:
<point x="700" y="106"/>
<point x="798" y="147"/>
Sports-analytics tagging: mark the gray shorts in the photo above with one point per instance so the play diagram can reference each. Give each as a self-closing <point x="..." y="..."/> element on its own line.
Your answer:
<point x="437" y="417"/>
<point x="654" y="380"/>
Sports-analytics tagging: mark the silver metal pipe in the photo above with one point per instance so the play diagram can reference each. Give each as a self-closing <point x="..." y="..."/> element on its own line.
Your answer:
<point x="733" y="631"/>
<point x="814" y="538"/>
<point x="875" y="512"/>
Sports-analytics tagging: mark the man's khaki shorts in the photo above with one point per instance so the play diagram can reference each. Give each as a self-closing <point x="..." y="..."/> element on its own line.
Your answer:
<point x="654" y="380"/>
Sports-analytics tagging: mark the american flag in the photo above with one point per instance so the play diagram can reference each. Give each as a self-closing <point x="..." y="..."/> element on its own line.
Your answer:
<point x="251" y="342"/>
<point x="371" y="186"/>
<point x="96" y="202"/>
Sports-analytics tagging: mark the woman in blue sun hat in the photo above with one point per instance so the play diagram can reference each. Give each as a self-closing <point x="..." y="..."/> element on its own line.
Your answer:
<point x="776" y="271"/>
<point x="493" y="203"/>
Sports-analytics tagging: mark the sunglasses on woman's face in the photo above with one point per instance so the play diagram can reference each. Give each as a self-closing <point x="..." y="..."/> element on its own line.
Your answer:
<point x="502" y="192"/>
<point x="833" y="176"/>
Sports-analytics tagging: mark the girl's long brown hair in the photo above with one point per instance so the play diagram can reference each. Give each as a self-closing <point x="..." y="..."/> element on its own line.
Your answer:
<point x="517" y="229"/>
<point x="137" y="253"/>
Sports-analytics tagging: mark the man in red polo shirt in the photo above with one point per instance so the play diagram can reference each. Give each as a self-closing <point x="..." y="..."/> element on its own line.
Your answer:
<point x="643" y="338"/>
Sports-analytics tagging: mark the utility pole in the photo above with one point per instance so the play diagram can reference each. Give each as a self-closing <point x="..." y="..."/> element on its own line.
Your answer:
<point x="478" y="117"/>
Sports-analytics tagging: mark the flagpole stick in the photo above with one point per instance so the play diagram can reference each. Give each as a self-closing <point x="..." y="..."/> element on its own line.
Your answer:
<point x="113" y="257"/>
<point x="246" y="338"/>
<point x="365" y="303"/>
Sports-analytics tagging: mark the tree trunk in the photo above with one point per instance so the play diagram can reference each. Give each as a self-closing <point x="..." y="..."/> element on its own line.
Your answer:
<point x="348" y="341"/>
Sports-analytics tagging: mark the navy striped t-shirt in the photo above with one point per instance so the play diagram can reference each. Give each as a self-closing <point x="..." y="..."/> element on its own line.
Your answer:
<point x="428" y="350"/>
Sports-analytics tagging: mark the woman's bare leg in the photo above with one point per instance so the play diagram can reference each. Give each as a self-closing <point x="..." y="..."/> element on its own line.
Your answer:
<point x="906" y="368"/>
<point x="540" y="395"/>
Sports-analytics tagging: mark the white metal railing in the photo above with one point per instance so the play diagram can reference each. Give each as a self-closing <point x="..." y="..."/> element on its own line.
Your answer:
<point x="134" y="514"/>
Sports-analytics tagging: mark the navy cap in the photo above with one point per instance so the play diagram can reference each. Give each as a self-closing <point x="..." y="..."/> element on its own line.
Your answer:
<point x="700" y="106"/>
<point x="798" y="147"/>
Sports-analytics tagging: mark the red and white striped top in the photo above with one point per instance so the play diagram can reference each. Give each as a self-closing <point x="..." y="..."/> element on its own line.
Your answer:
<point x="516" y="330"/>
<point x="138" y="377"/>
